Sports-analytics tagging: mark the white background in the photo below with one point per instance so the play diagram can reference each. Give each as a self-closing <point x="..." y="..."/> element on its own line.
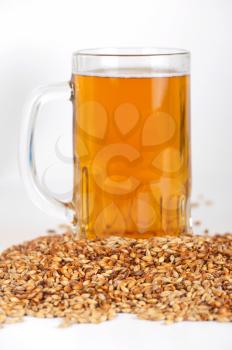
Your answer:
<point x="37" y="39"/>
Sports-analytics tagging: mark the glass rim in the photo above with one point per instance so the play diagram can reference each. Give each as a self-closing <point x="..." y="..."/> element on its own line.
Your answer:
<point x="131" y="52"/>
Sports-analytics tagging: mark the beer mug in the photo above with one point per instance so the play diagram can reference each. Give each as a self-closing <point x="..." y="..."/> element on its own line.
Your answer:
<point x="131" y="143"/>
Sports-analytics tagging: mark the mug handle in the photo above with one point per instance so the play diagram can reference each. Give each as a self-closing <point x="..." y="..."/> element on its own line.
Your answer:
<point x="38" y="194"/>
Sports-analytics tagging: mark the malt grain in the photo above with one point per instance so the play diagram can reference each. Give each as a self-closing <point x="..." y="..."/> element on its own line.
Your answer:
<point x="165" y="278"/>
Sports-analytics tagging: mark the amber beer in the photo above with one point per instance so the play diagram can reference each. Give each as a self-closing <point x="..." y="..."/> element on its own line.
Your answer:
<point x="131" y="146"/>
<point x="131" y="151"/>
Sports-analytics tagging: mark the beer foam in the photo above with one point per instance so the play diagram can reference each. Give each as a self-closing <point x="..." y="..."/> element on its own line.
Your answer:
<point x="132" y="73"/>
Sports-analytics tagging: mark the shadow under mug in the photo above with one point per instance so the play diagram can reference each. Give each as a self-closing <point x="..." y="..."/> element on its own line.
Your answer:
<point x="131" y="143"/>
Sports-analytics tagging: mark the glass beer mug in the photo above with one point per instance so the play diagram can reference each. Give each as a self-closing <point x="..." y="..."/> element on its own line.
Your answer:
<point x="131" y="143"/>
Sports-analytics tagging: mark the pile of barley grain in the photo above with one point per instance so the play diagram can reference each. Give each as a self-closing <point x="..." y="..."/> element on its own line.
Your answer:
<point x="171" y="279"/>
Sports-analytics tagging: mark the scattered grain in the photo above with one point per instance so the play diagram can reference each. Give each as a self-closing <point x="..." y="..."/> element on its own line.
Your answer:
<point x="163" y="278"/>
<point x="197" y="222"/>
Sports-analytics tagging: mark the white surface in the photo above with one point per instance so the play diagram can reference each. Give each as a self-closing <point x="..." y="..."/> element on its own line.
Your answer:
<point x="124" y="333"/>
